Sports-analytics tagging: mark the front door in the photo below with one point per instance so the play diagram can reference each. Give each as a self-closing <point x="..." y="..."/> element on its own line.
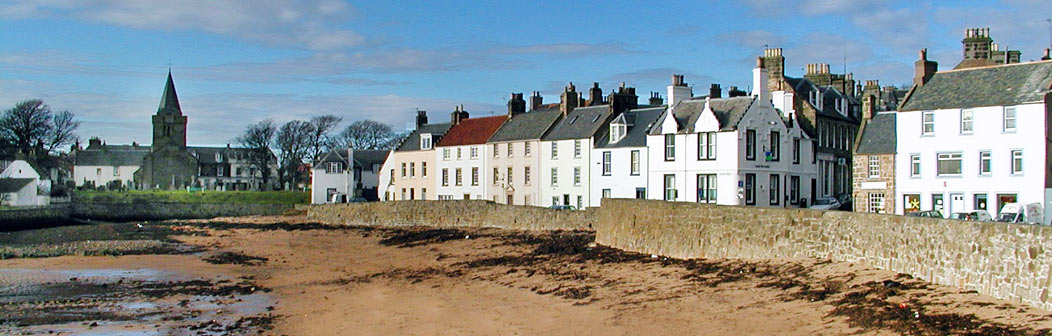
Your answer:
<point x="566" y="199"/>
<point x="467" y="196"/>
<point x="956" y="203"/>
<point x="511" y="199"/>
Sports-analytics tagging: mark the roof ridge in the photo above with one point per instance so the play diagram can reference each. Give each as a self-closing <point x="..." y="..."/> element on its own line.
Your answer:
<point x="994" y="66"/>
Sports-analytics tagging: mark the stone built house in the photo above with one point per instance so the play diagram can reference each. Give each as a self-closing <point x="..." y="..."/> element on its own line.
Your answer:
<point x="567" y="147"/>
<point x="409" y="171"/>
<point x="515" y="151"/>
<point x="825" y="106"/>
<point x="975" y="138"/>
<point x="873" y="163"/>
<point x="168" y="163"/>
<point x="461" y="157"/>
<point x="738" y="150"/>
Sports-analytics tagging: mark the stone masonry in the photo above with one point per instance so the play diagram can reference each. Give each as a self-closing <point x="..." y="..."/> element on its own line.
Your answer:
<point x="862" y="178"/>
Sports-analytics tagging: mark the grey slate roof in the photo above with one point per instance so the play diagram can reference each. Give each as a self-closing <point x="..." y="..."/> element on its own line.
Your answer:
<point x="362" y="158"/>
<point x="412" y="141"/>
<point x="878" y="137"/>
<point x="581" y="123"/>
<point x="1002" y="85"/>
<point x="803" y="88"/>
<point x="729" y="112"/>
<point x="123" y="156"/>
<point x="10" y="185"/>
<point x="527" y="126"/>
<point x="208" y="154"/>
<point x="641" y="121"/>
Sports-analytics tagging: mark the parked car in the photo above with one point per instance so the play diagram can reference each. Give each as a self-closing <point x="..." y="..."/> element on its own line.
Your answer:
<point x="563" y="207"/>
<point x="359" y="200"/>
<point x="825" y="203"/>
<point x="928" y="213"/>
<point x="1021" y="213"/>
<point x="978" y="215"/>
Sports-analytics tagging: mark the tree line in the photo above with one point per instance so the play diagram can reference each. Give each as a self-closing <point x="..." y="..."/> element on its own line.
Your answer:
<point x="300" y="141"/>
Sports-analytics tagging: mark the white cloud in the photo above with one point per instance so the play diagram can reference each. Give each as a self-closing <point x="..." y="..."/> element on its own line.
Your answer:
<point x="311" y="24"/>
<point x="217" y="119"/>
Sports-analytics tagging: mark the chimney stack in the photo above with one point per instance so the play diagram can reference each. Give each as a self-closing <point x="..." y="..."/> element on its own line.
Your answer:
<point x="924" y="69"/>
<point x="458" y="115"/>
<point x="623" y="99"/>
<point x="734" y="92"/>
<point x="421" y="118"/>
<point x="536" y="100"/>
<point x="759" y="81"/>
<point x="569" y="99"/>
<point x="655" y="99"/>
<point x="595" y="95"/>
<point x="516" y="105"/>
<point x="678" y="91"/>
<point x="715" y="91"/>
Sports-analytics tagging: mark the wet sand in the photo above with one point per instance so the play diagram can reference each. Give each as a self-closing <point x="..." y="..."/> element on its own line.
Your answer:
<point x="326" y="280"/>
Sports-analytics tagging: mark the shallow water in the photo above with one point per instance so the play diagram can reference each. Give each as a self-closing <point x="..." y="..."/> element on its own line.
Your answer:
<point x="125" y="302"/>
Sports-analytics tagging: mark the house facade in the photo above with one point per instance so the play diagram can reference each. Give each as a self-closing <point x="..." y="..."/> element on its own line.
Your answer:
<point x="874" y="153"/>
<point x="111" y="166"/>
<point x="825" y="106"/>
<point x="331" y="175"/>
<point x="975" y="138"/>
<point x="738" y="150"/>
<point x="620" y="166"/>
<point x="409" y="172"/>
<point x="514" y="152"/>
<point x="461" y="164"/>
<point x="20" y="185"/>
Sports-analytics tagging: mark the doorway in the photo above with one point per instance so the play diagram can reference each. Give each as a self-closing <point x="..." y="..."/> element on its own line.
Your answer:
<point x="566" y="199"/>
<point x="467" y="197"/>
<point x="511" y="199"/>
<point x="956" y="203"/>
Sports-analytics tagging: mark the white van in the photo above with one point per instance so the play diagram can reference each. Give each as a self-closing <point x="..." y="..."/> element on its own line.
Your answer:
<point x="1020" y="213"/>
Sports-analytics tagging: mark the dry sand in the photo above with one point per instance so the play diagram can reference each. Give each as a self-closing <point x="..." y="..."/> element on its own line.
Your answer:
<point x="422" y="281"/>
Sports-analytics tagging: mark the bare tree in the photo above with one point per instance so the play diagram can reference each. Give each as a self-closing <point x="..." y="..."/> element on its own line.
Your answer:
<point x="26" y="124"/>
<point x="257" y="139"/>
<point x="367" y="134"/>
<point x="293" y="145"/>
<point x="61" y="131"/>
<point x="319" y="138"/>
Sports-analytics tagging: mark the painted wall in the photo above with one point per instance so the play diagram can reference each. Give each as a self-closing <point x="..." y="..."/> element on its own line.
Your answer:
<point x="521" y="193"/>
<point x="465" y="162"/>
<point x="565" y="163"/>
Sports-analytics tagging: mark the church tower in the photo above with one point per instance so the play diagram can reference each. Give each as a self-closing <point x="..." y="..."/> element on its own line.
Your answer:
<point x="169" y="124"/>
<point x="168" y="165"/>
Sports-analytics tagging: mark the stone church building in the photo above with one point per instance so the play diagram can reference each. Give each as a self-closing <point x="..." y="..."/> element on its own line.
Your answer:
<point x="168" y="163"/>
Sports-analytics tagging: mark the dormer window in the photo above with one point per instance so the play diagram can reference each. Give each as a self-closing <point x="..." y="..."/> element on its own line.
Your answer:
<point x="219" y="157"/>
<point x="618" y="132"/>
<point x="333" y="168"/>
<point x="425" y="141"/>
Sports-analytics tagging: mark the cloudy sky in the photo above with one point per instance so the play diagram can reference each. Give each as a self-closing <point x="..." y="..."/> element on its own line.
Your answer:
<point x="237" y="62"/>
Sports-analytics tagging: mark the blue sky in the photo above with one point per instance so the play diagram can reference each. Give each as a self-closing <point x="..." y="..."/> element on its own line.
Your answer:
<point x="237" y="62"/>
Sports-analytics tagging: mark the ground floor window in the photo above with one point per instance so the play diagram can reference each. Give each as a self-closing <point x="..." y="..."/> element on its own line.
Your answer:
<point x="911" y="202"/>
<point x="937" y="203"/>
<point x="980" y="201"/>
<point x="776" y="188"/>
<point x="641" y="193"/>
<point x="1003" y="199"/>
<point x="794" y="189"/>
<point x="706" y="188"/>
<point x="876" y="202"/>
<point x="670" y="187"/>
<point x="555" y="200"/>
<point x="750" y="189"/>
<point x="606" y="193"/>
<point x="580" y="202"/>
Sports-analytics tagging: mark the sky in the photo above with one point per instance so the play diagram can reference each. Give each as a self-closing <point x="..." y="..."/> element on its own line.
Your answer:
<point x="239" y="62"/>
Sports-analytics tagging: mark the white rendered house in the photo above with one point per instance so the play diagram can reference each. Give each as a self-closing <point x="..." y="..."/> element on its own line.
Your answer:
<point x="619" y="167"/>
<point x="975" y="139"/>
<point x="332" y="175"/>
<point x="513" y="153"/>
<point x="460" y="159"/>
<point x="731" y="151"/>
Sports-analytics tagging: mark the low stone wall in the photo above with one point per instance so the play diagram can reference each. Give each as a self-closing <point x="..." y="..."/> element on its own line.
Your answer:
<point x="34" y="217"/>
<point x="161" y="210"/>
<point x="473" y="213"/>
<point x="1007" y="261"/>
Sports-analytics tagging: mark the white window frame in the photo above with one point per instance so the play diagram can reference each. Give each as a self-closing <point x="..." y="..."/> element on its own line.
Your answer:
<point x="576" y="176"/>
<point x="985" y="162"/>
<point x="577" y="148"/>
<point x="874" y="166"/>
<point x="425" y="141"/>
<point x="967" y="121"/>
<point x="474" y="152"/>
<point x="915" y="165"/>
<point x="555" y="177"/>
<point x="496" y="150"/>
<point x="706" y="145"/>
<point x="670" y="147"/>
<point x="607" y="165"/>
<point x="927" y="126"/>
<point x="459" y="177"/>
<point x="526" y="175"/>
<point x="670" y="187"/>
<point x="445" y="154"/>
<point x="474" y="176"/>
<point x="1017" y="168"/>
<point x="526" y="149"/>
<point x="1009" y="119"/>
<point x="634" y="165"/>
<point x="950" y="156"/>
<point x="511" y="153"/>
<point x="445" y="177"/>
<point x="555" y="150"/>
<point x="876" y="202"/>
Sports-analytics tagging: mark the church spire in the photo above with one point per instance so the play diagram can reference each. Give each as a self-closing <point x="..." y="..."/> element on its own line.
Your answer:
<point x="169" y="100"/>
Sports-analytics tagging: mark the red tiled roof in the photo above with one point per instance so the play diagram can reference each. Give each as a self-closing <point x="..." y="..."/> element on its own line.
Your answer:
<point x="472" y="131"/>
